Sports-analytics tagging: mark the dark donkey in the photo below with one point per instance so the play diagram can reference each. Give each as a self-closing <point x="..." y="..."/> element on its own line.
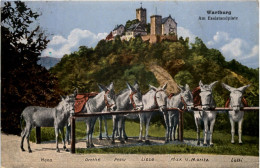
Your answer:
<point x="57" y="117"/>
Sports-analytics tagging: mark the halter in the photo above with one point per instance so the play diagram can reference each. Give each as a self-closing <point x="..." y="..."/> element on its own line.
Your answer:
<point x="243" y="101"/>
<point x="132" y="99"/>
<point x="106" y="101"/>
<point x="209" y="101"/>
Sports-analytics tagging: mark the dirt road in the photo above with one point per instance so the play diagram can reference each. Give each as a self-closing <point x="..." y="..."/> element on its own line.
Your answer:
<point x="45" y="155"/>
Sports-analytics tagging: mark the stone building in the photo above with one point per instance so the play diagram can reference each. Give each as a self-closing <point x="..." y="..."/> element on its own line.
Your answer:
<point x="169" y="26"/>
<point x="135" y="30"/>
<point x="141" y="15"/>
<point x="118" y="30"/>
<point x="156" y="25"/>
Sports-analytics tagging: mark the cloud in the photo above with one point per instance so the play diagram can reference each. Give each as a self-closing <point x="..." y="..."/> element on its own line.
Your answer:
<point x="59" y="45"/>
<point x="219" y="37"/>
<point x="186" y="33"/>
<point x="235" y="48"/>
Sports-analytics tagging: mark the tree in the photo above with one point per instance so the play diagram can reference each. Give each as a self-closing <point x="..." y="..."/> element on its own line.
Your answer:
<point x="24" y="82"/>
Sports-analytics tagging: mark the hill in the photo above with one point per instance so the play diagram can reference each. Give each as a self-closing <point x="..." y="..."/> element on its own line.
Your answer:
<point x="48" y="62"/>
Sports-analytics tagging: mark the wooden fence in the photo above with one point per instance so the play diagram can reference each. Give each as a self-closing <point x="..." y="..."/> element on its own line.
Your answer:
<point x="180" y="137"/>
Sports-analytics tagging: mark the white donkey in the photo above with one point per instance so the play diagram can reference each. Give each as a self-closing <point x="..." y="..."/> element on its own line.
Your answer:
<point x="57" y="117"/>
<point x="205" y="96"/>
<point x="236" y="115"/>
<point x="155" y="98"/>
<point x="183" y="99"/>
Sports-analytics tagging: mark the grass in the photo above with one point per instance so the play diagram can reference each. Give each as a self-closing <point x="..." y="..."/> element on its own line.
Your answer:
<point x="221" y="141"/>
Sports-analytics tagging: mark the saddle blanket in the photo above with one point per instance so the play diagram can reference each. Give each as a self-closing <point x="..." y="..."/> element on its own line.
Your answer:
<point x="81" y="100"/>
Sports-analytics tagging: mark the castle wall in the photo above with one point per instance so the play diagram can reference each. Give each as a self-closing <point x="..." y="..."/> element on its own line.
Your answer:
<point x="141" y="15"/>
<point x="169" y="26"/>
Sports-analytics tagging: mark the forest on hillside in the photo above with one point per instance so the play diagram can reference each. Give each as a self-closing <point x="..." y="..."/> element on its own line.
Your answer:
<point x="121" y="61"/>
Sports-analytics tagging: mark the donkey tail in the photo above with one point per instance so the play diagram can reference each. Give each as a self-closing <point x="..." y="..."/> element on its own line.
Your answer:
<point x="22" y="122"/>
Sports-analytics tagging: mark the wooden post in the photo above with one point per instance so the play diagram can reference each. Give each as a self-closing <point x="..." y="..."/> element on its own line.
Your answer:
<point x="38" y="135"/>
<point x="180" y="136"/>
<point x="73" y="137"/>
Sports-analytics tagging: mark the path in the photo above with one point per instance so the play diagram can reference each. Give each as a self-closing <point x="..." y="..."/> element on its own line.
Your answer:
<point x="45" y="155"/>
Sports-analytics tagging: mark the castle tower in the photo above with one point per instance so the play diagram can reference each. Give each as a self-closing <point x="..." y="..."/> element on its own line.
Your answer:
<point x="141" y="15"/>
<point x="156" y="25"/>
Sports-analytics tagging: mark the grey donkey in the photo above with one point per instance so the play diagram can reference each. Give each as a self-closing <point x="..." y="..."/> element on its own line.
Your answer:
<point x="183" y="99"/>
<point x="236" y="101"/>
<point x="47" y="117"/>
<point x="206" y="115"/>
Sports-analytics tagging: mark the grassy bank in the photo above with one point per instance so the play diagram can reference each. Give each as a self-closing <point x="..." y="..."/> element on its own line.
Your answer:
<point x="221" y="141"/>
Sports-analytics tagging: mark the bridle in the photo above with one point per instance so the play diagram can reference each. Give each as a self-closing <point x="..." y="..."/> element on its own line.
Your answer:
<point x="182" y="100"/>
<point x="106" y="101"/>
<point x="211" y="97"/>
<point x="132" y="99"/>
<point x="229" y="102"/>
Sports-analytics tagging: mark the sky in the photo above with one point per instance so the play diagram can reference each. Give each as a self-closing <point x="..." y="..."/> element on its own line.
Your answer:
<point x="70" y="24"/>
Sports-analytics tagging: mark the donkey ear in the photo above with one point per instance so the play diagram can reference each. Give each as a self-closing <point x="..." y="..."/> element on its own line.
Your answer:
<point x="180" y="87"/>
<point x="102" y="88"/>
<point x="187" y="87"/>
<point x="243" y="88"/>
<point x="75" y="92"/>
<point x="111" y="86"/>
<point x="136" y="86"/>
<point x="200" y="84"/>
<point x="229" y="88"/>
<point x="130" y="87"/>
<point x="62" y="97"/>
<point x="164" y="86"/>
<point x="152" y="87"/>
<point x="213" y="84"/>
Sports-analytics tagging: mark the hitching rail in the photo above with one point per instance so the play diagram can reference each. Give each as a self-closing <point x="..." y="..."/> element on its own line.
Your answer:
<point x="180" y="135"/>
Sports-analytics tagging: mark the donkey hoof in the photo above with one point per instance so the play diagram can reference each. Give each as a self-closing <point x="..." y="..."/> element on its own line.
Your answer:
<point x="205" y="145"/>
<point x="126" y="138"/>
<point x="66" y="150"/>
<point x="211" y="145"/>
<point x="198" y="143"/>
<point x="92" y="145"/>
<point x="88" y="146"/>
<point x="100" y="138"/>
<point x="122" y="142"/>
<point x="112" y="142"/>
<point x="140" y="141"/>
<point x="233" y="143"/>
<point x="108" y="138"/>
<point x="147" y="142"/>
<point x="57" y="150"/>
<point x="240" y="143"/>
<point x="23" y="149"/>
<point x="30" y="151"/>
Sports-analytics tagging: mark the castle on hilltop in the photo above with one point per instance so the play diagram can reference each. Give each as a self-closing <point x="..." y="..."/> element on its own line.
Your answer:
<point x="160" y="28"/>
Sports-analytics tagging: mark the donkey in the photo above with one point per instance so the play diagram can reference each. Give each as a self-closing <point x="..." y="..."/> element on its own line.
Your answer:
<point x="47" y="117"/>
<point x="128" y="99"/>
<point x="207" y="102"/>
<point x="100" y="118"/>
<point x="154" y="98"/>
<point x="106" y="98"/>
<point x="183" y="99"/>
<point x="236" y="101"/>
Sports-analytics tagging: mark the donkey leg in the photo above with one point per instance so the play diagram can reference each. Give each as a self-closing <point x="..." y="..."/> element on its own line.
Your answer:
<point x="100" y="127"/>
<point x="105" y="127"/>
<point x="232" y="130"/>
<point x="88" y="133"/>
<point x="114" y="129"/>
<point x="240" y="122"/>
<point x="67" y="137"/>
<point x="198" y="131"/>
<point x="141" y="128"/>
<point x="92" y="131"/>
<point x="63" y="138"/>
<point x="28" y="138"/>
<point x="23" y="134"/>
<point x="56" y="138"/>
<point x="166" y="119"/>
<point x="171" y="131"/>
<point x="147" y="124"/>
<point x="120" y="123"/>
<point x="205" y="132"/>
<point x="123" y="127"/>
<point x="212" y="123"/>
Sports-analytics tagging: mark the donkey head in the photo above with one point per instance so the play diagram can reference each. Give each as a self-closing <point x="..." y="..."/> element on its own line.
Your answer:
<point x="235" y="96"/>
<point x="160" y="97"/>
<point x="135" y="96"/>
<point x="67" y="104"/>
<point x="206" y="95"/>
<point x="109" y="96"/>
<point x="186" y="96"/>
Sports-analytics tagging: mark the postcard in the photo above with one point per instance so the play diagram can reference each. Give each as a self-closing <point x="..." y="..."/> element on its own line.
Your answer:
<point x="129" y="84"/>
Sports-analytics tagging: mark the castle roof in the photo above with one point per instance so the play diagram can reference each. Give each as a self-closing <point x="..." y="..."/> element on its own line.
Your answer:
<point x="118" y="26"/>
<point x="166" y="18"/>
<point x="133" y="27"/>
